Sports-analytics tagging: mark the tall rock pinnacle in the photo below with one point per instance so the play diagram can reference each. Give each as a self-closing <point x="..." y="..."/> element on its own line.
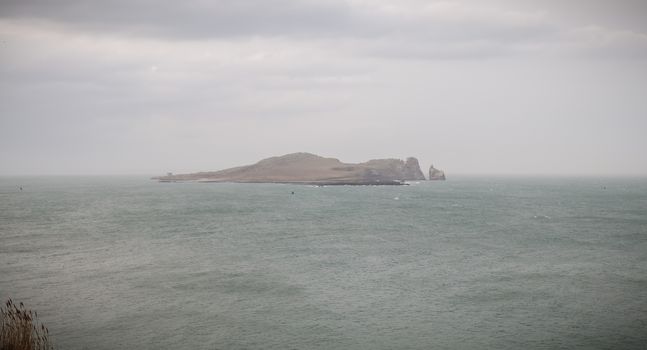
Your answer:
<point x="412" y="170"/>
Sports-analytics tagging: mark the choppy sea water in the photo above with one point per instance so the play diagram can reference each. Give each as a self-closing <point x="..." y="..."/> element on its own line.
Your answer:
<point x="505" y="263"/>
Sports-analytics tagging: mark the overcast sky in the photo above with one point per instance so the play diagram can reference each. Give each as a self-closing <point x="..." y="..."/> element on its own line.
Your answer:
<point x="500" y="86"/>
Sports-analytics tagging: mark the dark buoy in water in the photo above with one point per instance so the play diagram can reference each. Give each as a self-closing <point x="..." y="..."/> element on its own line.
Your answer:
<point x="292" y="192"/>
<point x="21" y="188"/>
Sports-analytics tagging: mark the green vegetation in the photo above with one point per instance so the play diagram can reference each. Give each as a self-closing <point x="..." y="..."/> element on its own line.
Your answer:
<point x="20" y="329"/>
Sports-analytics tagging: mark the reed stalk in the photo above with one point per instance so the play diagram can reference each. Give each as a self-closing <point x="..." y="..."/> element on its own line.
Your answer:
<point x="20" y="329"/>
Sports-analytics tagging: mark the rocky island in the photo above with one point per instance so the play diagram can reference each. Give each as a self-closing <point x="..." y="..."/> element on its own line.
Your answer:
<point x="436" y="174"/>
<point x="307" y="168"/>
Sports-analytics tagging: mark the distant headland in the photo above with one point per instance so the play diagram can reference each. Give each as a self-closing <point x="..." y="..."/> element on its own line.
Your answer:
<point x="307" y="168"/>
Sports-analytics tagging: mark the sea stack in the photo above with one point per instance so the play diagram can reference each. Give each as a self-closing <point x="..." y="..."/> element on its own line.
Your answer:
<point x="436" y="174"/>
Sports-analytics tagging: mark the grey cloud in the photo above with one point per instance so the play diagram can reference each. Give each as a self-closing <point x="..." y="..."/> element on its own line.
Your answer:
<point x="616" y="14"/>
<point x="427" y="30"/>
<point x="187" y="19"/>
<point x="218" y="18"/>
<point x="231" y="18"/>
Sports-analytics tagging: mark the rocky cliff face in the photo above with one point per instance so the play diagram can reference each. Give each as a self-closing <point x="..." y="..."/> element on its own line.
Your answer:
<point x="312" y="169"/>
<point x="436" y="174"/>
<point x="412" y="170"/>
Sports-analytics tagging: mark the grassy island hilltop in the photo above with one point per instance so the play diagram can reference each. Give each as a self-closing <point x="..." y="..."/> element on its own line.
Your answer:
<point x="307" y="168"/>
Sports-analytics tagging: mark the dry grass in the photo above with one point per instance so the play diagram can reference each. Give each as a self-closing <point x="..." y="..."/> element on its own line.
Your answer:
<point x="20" y="329"/>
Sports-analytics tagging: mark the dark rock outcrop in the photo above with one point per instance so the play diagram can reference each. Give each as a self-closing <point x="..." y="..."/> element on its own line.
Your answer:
<point x="412" y="170"/>
<point x="308" y="168"/>
<point x="436" y="174"/>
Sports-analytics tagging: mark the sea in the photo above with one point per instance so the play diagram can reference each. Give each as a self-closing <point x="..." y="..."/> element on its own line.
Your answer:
<point x="125" y="262"/>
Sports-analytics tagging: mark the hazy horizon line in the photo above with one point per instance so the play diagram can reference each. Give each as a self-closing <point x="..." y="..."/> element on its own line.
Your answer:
<point x="449" y="175"/>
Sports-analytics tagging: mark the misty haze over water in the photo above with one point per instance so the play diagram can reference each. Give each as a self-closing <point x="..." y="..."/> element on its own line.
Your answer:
<point x="490" y="87"/>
